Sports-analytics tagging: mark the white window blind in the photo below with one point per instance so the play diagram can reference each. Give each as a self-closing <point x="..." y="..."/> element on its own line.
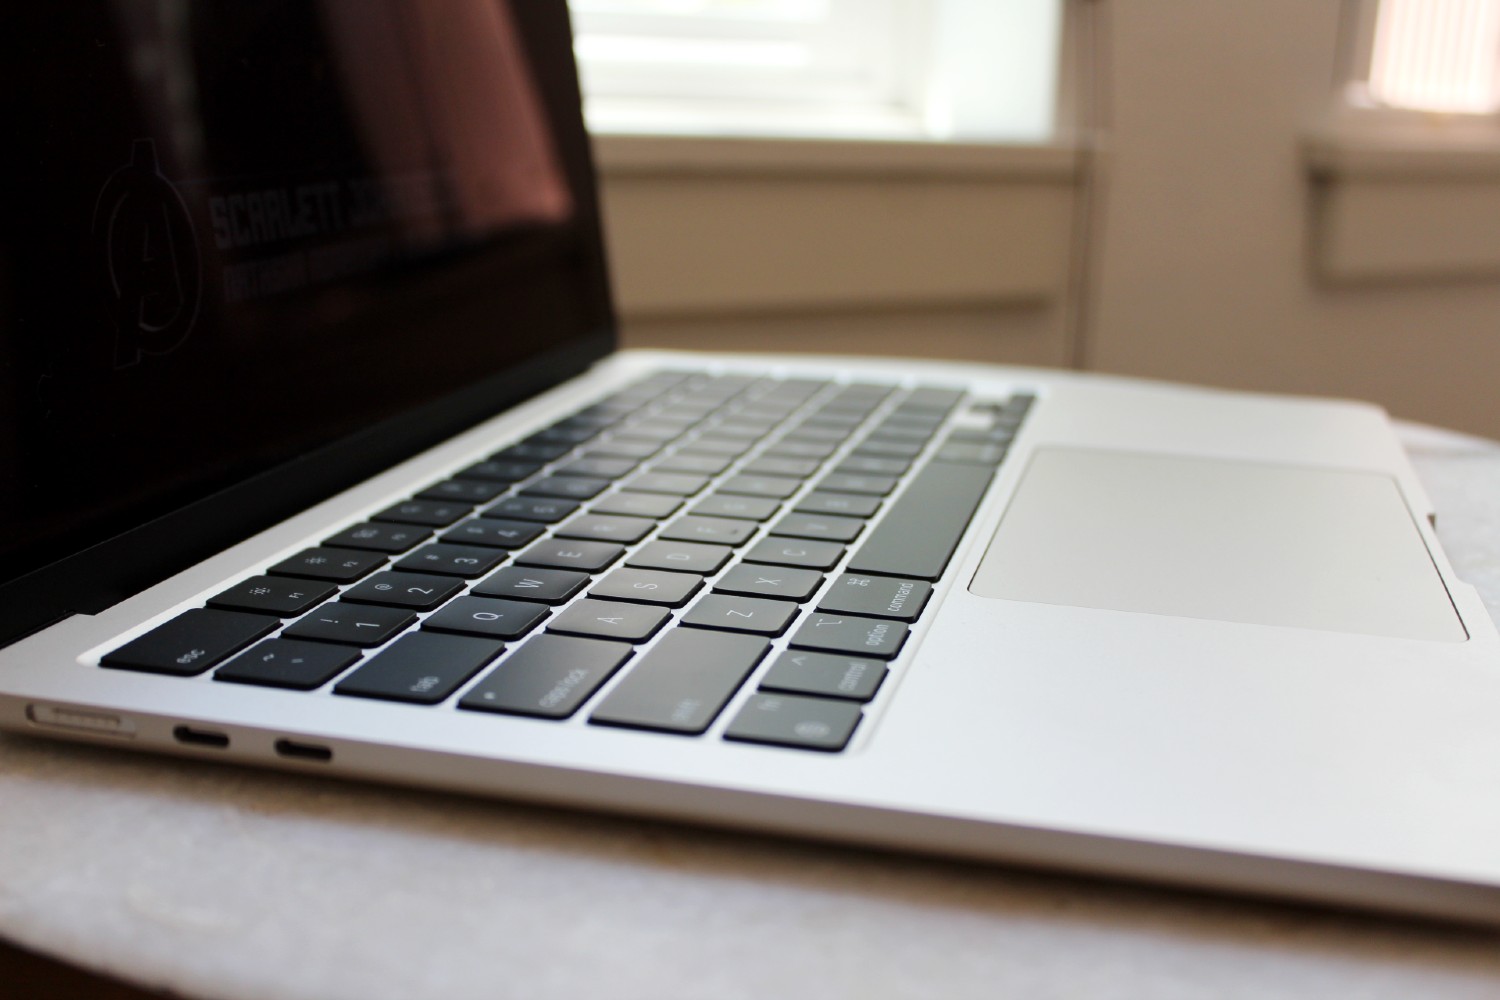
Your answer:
<point x="1437" y="55"/>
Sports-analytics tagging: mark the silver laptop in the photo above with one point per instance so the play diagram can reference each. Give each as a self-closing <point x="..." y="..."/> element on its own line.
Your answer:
<point x="319" y="458"/>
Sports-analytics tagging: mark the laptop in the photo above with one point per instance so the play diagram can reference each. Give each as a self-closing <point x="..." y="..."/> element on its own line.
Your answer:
<point x="320" y="457"/>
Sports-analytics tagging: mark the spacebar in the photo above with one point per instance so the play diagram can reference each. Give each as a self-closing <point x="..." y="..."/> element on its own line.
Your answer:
<point x="919" y="533"/>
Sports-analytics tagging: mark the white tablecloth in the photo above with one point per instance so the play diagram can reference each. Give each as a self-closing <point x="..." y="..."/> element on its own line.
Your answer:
<point x="214" y="881"/>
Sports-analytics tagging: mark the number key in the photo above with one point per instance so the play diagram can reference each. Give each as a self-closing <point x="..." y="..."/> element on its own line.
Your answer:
<point x="404" y="590"/>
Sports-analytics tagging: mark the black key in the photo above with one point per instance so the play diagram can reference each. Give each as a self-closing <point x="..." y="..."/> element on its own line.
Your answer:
<point x="774" y="466"/>
<point x="548" y="678"/>
<point x="815" y="432"/>
<point x="718" y="530"/>
<point x="610" y="620"/>
<point x="467" y="561"/>
<point x="563" y="434"/>
<point x="566" y="553"/>
<point x="545" y="586"/>
<point x="802" y="449"/>
<point x="726" y="447"/>
<point x="843" y="482"/>
<point x="848" y="504"/>
<point x="679" y="484"/>
<point x="932" y="398"/>
<point x="487" y="616"/>
<point x="870" y="465"/>
<point x="492" y="532"/>
<point x="795" y="552"/>
<point x="288" y="663"/>
<point x="872" y="637"/>
<point x="879" y="447"/>
<point x="269" y="595"/>
<point x="544" y="511"/>
<point x="500" y="472"/>
<point x="653" y="430"/>
<point x="380" y="537"/>
<point x="918" y="534"/>
<point x="830" y="675"/>
<point x="775" y="487"/>
<point x="404" y="590"/>
<point x="700" y="465"/>
<point x="190" y="643"/>
<point x="742" y="614"/>
<point x="770" y="581"/>
<point x="566" y="487"/>
<point x="681" y="557"/>
<point x="353" y="624"/>
<point x="632" y="448"/>
<point x="596" y="467"/>
<point x="338" y="565"/>
<point x="828" y="527"/>
<point x="655" y="505"/>
<point x="977" y="454"/>
<point x="877" y="596"/>
<point x="423" y="668"/>
<point x="431" y="512"/>
<point x="536" y="452"/>
<point x="682" y="684"/>
<point x="896" y="430"/>
<point x="740" y="430"/>
<point x="789" y="720"/>
<point x="469" y="491"/>
<point x="626" y="530"/>
<point x="648" y="586"/>
<point x="726" y="505"/>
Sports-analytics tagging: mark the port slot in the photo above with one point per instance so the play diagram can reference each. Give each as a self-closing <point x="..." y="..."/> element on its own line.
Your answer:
<point x="303" y="751"/>
<point x="200" y="737"/>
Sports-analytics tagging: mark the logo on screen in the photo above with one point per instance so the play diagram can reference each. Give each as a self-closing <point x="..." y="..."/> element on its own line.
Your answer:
<point x="145" y="238"/>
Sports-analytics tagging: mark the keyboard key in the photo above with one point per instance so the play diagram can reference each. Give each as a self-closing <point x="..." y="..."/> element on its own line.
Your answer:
<point x="430" y="512"/>
<point x="288" y="663"/>
<point x="566" y="487"/>
<point x="830" y="675"/>
<point x="870" y="465"/>
<point x="337" y="565"/>
<point x="539" y="509"/>
<point x="626" y="530"/>
<point x="353" y="624"/>
<point x="932" y="398"/>
<point x="683" y="683"/>
<point x="789" y="720"/>
<point x="269" y="595"/>
<point x="724" y="447"/>
<point x="417" y="591"/>
<point x="487" y="616"/>
<point x="829" y="527"/>
<point x="870" y="637"/>
<point x="770" y="581"/>
<point x="742" y="614"/>
<point x="423" y="668"/>
<point x="679" y="484"/>
<point x="566" y="553"/>
<point x="718" y="530"/>
<point x="918" y="534"/>
<point x="802" y="449"/>
<point x="469" y="491"/>
<point x="976" y="454"/>
<point x="548" y="678"/>
<point x="545" y="586"/>
<point x="843" y="482"/>
<point x="700" y="465"/>
<point x="726" y="505"/>
<point x="596" y="467"/>
<point x="775" y="487"/>
<point x="380" y="537"/>
<point x="536" y="452"/>
<point x="795" y="552"/>
<point x="773" y="466"/>
<point x="848" y="504"/>
<point x="682" y="557"/>
<point x="648" y="586"/>
<point x="467" y="561"/>
<point x="610" y="620"/>
<point x="887" y="448"/>
<point x="191" y="643"/>
<point x="500" y="472"/>
<point x="877" y="596"/>
<point x="492" y="532"/>
<point x="636" y="449"/>
<point x="653" y="505"/>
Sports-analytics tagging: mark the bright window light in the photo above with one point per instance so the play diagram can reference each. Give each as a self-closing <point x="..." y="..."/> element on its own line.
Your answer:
<point x="1437" y="55"/>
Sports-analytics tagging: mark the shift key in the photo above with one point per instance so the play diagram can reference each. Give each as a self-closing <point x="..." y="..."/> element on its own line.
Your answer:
<point x="682" y="684"/>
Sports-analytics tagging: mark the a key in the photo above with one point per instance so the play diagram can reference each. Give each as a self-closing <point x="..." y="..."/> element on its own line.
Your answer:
<point x="798" y="468"/>
<point x="423" y="668"/>
<point x="380" y="537"/>
<point x="500" y="472"/>
<point x="829" y="527"/>
<point x="567" y="487"/>
<point x="417" y="591"/>
<point x="698" y="465"/>
<point x="727" y="505"/>
<point x="492" y="532"/>
<point x="679" y="484"/>
<point x="741" y="614"/>
<point x="648" y="586"/>
<point x="434" y="513"/>
<point x="540" y="509"/>
<point x="653" y="505"/>
<point x="566" y="553"/>
<point x="796" y="552"/>
<point x="288" y="663"/>
<point x="625" y="530"/>
<point x="191" y="643"/>
<point x="536" y="452"/>
<point x="716" y="530"/>
<point x="872" y="465"/>
<point x="790" y="720"/>
<point x="831" y="675"/>
<point x="610" y="620"/>
<point x="548" y="677"/>
<point x="770" y="581"/>
<point x="878" y="596"/>
<point x="596" y="467"/>
<point x="470" y="491"/>
<point x="467" y="561"/>
<point x="878" y="447"/>
<point x="774" y="487"/>
<point x="847" y="504"/>
<point x="869" y="485"/>
<point x="682" y="557"/>
<point x="336" y="565"/>
<point x="269" y="595"/>
<point x="872" y="637"/>
<point x="918" y="534"/>
<point x="487" y="616"/>
<point x="545" y="586"/>
<point x="353" y="624"/>
<point x="683" y="683"/>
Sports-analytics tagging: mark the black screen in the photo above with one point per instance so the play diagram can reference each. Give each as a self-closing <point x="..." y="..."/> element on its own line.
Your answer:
<point x="238" y="232"/>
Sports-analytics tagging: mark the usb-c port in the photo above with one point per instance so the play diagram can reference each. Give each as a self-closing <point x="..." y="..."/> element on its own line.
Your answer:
<point x="303" y="751"/>
<point x="200" y="737"/>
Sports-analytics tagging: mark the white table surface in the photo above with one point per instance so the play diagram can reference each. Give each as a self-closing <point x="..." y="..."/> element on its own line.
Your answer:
<point x="214" y="881"/>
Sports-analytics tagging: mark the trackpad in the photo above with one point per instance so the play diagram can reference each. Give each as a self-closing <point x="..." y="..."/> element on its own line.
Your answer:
<point x="1223" y="540"/>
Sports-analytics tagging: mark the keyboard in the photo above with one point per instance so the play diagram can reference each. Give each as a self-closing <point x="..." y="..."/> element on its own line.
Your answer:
<point x="641" y="561"/>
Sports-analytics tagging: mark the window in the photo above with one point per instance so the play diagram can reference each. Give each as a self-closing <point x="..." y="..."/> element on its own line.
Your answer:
<point x="1440" y="56"/>
<point x="978" y="70"/>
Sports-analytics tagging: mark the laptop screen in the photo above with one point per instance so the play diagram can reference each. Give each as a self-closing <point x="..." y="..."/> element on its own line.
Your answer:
<point x="237" y="232"/>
